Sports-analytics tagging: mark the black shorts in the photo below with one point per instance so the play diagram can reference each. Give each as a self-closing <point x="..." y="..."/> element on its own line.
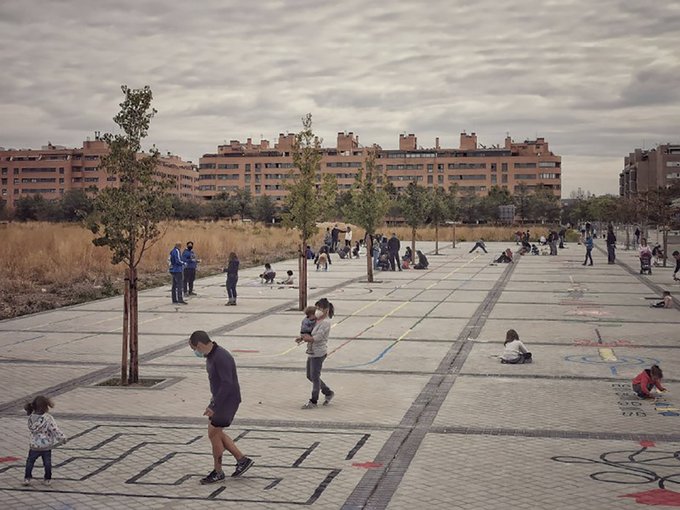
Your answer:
<point x="220" y="421"/>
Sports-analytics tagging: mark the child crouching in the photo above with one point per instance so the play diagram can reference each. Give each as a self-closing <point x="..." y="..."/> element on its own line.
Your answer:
<point x="646" y="380"/>
<point x="45" y="435"/>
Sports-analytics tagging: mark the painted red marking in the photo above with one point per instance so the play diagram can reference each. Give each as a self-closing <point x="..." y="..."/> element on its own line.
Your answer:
<point x="9" y="459"/>
<point x="656" y="497"/>
<point x="243" y="350"/>
<point x="647" y="444"/>
<point x="367" y="465"/>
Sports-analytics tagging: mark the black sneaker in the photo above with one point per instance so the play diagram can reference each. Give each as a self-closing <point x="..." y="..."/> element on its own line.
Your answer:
<point x="213" y="477"/>
<point x="242" y="466"/>
<point x="329" y="397"/>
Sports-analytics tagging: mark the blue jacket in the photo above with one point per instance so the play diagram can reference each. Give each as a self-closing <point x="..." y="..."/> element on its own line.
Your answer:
<point x="176" y="264"/>
<point x="589" y="243"/>
<point x="189" y="258"/>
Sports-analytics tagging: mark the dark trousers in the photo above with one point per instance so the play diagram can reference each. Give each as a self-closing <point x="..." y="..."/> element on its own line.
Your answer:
<point x="637" y="388"/>
<point x="553" y="247"/>
<point x="177" y="287"/>
<point x="314" y="376"/>
<point x="334" y="244"/>
<point x="33" y="455"/>
<point x="189" y="277"/>
<point x="478" y="245"/>
<point x="232" y="280"/>
<point x="394" y="260"/>
<point x="611" y="253"/>
<point x="589" y="256"/>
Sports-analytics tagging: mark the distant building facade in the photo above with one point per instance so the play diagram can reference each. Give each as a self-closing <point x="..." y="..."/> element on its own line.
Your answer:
<point x="645" y="170"/>
<point x="263" y="169"/>
<point x="53" y="170"/>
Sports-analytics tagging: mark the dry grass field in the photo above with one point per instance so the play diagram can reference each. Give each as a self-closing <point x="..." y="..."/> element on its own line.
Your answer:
<point x="47" y="265"/>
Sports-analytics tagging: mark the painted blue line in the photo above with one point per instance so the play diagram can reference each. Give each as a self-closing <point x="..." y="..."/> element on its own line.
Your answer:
<point x="376" y="359"/>
<point x="613" y="369"/>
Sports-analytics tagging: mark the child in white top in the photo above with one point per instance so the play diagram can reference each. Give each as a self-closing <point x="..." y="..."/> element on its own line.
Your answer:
<point x="45" y="435"/>
<point x="515" y="352"/>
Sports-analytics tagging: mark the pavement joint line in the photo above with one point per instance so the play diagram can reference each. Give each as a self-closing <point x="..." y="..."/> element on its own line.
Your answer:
<point x="555" y="434"/>
<point x="376" y="488"/>
<point x="554" y="377"/>
<point x="111" y="370"/>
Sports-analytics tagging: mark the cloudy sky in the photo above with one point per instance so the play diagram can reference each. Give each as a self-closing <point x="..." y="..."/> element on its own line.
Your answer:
<point x="596" y="79"/>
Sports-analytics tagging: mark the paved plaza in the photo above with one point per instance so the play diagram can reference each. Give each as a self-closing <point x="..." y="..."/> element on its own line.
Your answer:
<point x="425" y="415"/>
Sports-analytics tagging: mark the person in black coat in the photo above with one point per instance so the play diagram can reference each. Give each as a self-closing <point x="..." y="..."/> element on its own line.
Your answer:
<point x="393" y="246"/>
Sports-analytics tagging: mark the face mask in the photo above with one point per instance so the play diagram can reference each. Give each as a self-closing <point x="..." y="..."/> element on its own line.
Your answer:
<point x="190" y="247"/>
<point x="198" y="354"/>
<point x="318" y="314"/>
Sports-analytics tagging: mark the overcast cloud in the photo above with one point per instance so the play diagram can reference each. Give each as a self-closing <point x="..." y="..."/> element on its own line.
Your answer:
<point x="596" y="79"/>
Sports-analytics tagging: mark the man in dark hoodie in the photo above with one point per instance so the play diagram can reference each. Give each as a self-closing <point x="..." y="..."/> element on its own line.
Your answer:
<point x="226" y="397"/>
<point x="393" y="246"/>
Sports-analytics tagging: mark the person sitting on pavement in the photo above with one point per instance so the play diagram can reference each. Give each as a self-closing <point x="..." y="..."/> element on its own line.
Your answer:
<point x="422" y="261"/>
<point x="515" y="353"/>
<point x="289" y="280"/>
<point x="666" y="302"/>
<point x="505" y="257"/>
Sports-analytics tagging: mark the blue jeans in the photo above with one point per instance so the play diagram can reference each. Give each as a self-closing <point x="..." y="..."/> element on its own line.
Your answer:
<point x="314" y="376"/>
<point x="231" y="286"/>
<point x="33" y="455"/>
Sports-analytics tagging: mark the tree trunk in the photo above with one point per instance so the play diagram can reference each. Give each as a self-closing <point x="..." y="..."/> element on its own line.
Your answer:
<point x="134" y="328"/>
<point x="413" y="243"/>
<point x="302" y="271"/>
<point x="627" y="237"/>
<point x="665" y="245"/>
<point x="369" y="258"/>
<point x="436" y="238"/>
<point x="126" y="331"/>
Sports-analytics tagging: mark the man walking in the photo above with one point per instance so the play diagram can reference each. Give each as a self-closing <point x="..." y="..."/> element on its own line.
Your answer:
<point x="191" y="262"/>
<point x="226" y="397"/>
<point x="176" y="270"/>
<point x="393" y="246"/>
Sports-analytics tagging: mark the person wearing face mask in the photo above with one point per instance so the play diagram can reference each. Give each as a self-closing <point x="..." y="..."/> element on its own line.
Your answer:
<point x="191" y="262"/>
<point x="318" y="339"/>
<point x="176" y="270"/>
<point x="226" y="397"/>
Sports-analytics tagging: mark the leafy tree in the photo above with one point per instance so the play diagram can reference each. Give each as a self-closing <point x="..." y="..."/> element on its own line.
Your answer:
<point x="221" y="206"/>
<point x="342" y="200"/>
<point x="468" y="206"/>
<point x="368" y="205"/>
<point x="439" y="212"/>
<point x="415" y="206"/>
<point x="522" y="201"/>
<point x="25" y="209"/>
<point x="264" y="209"/>
<point x="75" y="205"/>
<point x="126" y="219"/>
<point x="305" y="200"/>
<point x="489" y="205"/>
<point x="186" y="209"/>
<point x="453" y="206"/>
<point x="3" y="209"/>
<point x="328" y="192"/>
<point x="544" y="205"/>
<point x="243" y="202"/>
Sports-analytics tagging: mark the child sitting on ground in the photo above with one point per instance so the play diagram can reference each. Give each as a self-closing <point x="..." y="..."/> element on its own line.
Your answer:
<point x="45" y="435"/>
<point x="307" y="327"/>
<point x="290" y="280"/>
<point x="667" y="301"/>
<point x="268" y="275"/>
<point x="646" y="380"/>
<point x="515" y="353"/>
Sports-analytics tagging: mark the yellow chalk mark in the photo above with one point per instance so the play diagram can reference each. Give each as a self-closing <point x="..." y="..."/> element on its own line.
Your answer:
<point x="608" y="354"/>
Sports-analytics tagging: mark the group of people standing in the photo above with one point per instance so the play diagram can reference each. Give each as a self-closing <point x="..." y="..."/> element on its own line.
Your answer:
<point x="183" y="266"/>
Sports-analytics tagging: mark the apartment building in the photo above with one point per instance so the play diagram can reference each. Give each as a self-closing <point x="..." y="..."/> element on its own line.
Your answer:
<point x="263" y="169"/>
<point x="645" y="170"/>
<point x="52" y="170"/>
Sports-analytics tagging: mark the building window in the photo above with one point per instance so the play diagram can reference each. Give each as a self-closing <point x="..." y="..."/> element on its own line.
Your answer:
<point x="472" y="177"/>
<point x="430" y="168"/>
<point x="430" y="179"/>
<point x="493" y="167"/>
<point x="493" y="179"/>
<point x="247" y="167"/>
<point x="453" y="166"/>
<point x="504" y="179"/>
<point x="525" y="165"/>
<point x="525" y="177"/>
<point x="440" y="179"/>
<point x="4" y="182"/>
<point x="504" y="167"/>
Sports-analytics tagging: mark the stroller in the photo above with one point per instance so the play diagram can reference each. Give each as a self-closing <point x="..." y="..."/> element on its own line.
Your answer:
<point x="646" y="262"/>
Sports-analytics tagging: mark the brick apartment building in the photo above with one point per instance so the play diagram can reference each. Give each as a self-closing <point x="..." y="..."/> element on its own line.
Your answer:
<point x="264" y="169"/>
<point x="53" y="170"/>
<point x="645" y="170"/>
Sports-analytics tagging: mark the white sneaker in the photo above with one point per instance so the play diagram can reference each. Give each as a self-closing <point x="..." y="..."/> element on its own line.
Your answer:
<point x="26" y="482"/>
<point x="48" y="483"/>
<point x="309" y="405"/>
